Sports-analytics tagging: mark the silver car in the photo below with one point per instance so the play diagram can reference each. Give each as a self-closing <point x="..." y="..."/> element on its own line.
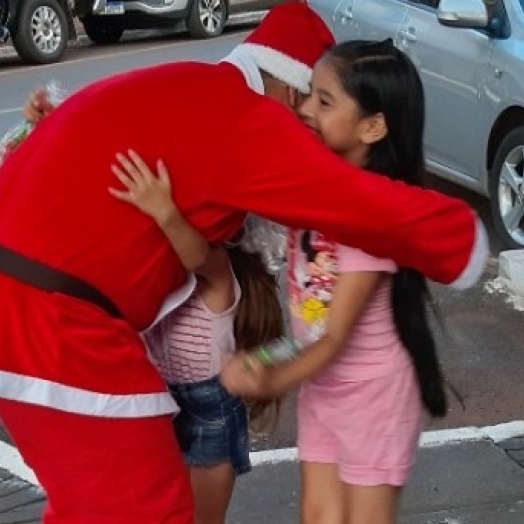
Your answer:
<point x="106" y="20"/>
<point x="470" y="55"/>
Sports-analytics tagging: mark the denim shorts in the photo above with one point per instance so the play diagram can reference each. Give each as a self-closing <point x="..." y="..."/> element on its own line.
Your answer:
<point x="212" y="425"/>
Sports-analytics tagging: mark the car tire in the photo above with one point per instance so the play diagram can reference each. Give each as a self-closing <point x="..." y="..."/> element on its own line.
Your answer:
<point x="207" y="18"/>
<point x="506" y="189"/>
<point x="42" y="31"/>
<point x="102" y="31"/>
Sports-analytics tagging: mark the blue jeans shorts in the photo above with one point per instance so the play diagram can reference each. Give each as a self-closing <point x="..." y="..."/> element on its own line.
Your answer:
<point x="212" y="425"/>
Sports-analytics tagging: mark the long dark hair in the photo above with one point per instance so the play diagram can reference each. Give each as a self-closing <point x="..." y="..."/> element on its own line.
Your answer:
<point x="382" y="79"/>
<point x="259" y="320"/>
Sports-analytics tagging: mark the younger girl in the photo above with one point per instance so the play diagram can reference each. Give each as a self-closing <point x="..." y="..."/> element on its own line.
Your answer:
<point x="235" y="304"/>
<point x="368" y="367"/>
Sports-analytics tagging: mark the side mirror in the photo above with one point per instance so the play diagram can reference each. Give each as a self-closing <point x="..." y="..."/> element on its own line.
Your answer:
<point x="471" y="14"/>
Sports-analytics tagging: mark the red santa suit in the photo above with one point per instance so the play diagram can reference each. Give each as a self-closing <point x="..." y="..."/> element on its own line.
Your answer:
<point x="85" y="407"/>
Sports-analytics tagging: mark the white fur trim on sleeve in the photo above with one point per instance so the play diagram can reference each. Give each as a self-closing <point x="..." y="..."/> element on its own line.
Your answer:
<point x="477" y="262"/>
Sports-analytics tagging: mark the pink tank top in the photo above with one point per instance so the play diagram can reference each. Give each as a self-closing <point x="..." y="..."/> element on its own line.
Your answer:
<point x="373" y="348"/>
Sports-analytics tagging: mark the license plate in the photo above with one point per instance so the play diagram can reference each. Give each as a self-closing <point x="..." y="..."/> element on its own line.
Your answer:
<point x="114" y="8"/>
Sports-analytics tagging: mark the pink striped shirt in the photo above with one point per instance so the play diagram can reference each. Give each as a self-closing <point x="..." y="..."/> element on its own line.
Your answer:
<point x="191" y="343"/>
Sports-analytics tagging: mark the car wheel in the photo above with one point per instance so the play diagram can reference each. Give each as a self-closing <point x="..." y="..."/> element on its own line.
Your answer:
<point x="207" y="18"/>
<point x="102" y="31"/>
<point x="42" y="31"/>
<point x="507" y="189"/>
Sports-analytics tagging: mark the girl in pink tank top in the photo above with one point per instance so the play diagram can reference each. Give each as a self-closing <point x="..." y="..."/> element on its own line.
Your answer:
<point x="368" y="364"/>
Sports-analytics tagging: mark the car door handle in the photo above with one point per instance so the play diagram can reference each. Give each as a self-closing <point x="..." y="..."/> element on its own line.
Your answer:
<point x="408" y="35"/>
<point x="347" y="13"/>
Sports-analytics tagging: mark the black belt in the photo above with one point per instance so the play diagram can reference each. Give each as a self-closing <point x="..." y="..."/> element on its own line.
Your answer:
<point x="52" y="280"/>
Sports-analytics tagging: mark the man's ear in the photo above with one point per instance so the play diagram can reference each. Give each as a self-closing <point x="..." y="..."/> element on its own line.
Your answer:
<point x="374" y="129"/>
<point x="294" y="97"/>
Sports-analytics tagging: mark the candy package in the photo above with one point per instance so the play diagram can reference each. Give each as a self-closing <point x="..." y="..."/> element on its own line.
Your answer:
<point x="55" y="93"/>
<point x="267" y="238"/>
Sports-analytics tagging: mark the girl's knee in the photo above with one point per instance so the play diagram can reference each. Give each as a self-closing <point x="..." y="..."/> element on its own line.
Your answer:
<point x="371" y="505"/>
<point x="320" y="514"/>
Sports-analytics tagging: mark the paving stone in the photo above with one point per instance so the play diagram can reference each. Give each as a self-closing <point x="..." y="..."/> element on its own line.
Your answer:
<point x="20" y="502"/>
<point x="517" y="455"/>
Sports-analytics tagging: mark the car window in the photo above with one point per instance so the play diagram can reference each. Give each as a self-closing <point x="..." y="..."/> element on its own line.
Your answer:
<point x="497" y="11"/>
<point x="430" y="3"/>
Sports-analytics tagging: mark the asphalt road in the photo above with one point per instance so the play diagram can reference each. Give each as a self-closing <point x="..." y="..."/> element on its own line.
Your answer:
<point x="86" y="62"/>
<point x="481" y="345"/>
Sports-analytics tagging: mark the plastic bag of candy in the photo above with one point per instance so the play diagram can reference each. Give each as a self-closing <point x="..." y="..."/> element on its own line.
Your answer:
<point x="267" y="238"/>
<point x="55" y="93"/>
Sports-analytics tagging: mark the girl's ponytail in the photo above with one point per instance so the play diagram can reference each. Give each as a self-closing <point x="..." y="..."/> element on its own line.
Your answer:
<point x="410" y="296"/>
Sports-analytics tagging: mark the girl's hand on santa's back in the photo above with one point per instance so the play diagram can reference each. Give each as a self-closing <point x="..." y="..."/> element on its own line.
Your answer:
<point x="149" y="192"/>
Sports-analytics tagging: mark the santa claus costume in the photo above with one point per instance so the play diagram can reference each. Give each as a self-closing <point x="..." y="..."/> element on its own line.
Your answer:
<point x="82" y="273"/>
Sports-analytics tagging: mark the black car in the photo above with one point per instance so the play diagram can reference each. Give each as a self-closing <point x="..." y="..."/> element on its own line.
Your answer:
<point x="106" y="20"/>
<point x="39" y="29"/>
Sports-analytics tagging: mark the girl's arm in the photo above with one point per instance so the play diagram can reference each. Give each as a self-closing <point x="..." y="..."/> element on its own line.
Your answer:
<point x="352" y="293"/>
<point x="247" y="377"/>
<point x="151" y="194"/>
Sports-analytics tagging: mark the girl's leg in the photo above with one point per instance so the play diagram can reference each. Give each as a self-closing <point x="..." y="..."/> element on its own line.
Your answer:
<point x="370" y="504"/>
<point x="212" y="490"/>
<point x="213" y="434"/>
<point x="322" y="494"/>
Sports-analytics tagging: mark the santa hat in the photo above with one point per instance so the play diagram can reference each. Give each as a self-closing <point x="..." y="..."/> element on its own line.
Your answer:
<point x="288" y="43"/>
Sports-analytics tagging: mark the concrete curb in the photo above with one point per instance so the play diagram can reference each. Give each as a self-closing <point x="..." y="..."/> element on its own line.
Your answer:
<point x="510" y="279"/>
<point x="511" y="270"/>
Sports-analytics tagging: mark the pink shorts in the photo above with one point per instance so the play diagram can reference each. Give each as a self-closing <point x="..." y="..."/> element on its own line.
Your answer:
<point x="369" y="428"/>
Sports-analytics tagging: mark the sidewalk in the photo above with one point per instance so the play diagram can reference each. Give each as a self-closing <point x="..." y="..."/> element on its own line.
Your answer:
<point x="467" y="483"/>
<point x="474" y="482"/>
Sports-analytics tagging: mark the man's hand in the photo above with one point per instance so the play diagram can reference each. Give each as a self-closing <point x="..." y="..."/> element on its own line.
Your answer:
<point x="37" y="106"/>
